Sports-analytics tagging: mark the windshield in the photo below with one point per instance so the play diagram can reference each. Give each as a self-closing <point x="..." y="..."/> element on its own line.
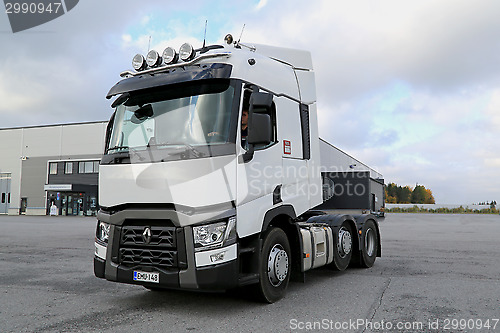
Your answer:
<point x="175" y="122"/>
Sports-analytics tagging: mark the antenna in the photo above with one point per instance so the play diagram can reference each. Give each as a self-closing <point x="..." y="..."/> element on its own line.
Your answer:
<point x="205" y="35"/>
<point x="241" y="33"/>
<point x="149" y="44"/>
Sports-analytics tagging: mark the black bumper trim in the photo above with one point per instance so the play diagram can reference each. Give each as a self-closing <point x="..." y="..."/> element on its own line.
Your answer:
<point x="99" y="266"/>
<point x="219" y="277"/>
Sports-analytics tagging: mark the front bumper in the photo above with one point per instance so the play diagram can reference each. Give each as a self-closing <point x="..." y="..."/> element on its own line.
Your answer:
<point x="198" y="274"/>
<point x="216" y="277"/>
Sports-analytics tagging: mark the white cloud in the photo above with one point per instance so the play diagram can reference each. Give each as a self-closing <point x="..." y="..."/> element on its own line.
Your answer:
<point x="411" y="88"/>
<point x="261" y="4"/>
<point x="145" y="20"/>
<point x="126" y="39"/>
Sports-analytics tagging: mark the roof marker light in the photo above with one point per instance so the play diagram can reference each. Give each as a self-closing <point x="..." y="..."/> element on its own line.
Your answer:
<point x="153" y="59"/>
<point x="186" y="52"/>
<point x="170" y="56"/>
<point x="138" y="62"/>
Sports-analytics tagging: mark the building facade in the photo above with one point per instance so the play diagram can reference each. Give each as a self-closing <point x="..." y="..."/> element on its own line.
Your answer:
<point x="46" y="166"/>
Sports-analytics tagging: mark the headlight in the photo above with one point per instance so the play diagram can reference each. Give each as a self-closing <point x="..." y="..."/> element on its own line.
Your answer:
<point x="102" y="232"/>
<point x="214" y="235"/>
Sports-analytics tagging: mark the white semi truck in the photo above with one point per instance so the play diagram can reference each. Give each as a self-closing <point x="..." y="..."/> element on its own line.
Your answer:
<point x="192" y="196"/>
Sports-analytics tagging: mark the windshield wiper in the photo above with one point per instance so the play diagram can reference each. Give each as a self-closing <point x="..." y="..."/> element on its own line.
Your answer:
<point x="118" y="147"/>
<point x="187" y="146"/>
<point x="193" y="150"/>
<point x="128" y="153"/>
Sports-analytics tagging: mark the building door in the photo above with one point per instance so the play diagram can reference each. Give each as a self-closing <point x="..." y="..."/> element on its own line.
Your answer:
<point x="73" y="204"/>
<point x="64" y="205"/>
<point x="78" y="202"/>
<point x="24" y="204"/>
<point x="5" y="179"/>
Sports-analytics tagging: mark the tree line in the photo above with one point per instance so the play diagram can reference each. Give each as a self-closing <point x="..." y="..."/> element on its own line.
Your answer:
<point x="405" y="194"/>
<point x="443" y="210"/>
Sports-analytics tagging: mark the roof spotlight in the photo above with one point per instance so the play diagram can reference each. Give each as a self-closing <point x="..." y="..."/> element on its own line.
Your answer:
<point x="169" y="56"/>
<point x="229" y="39"/>
<point x="138" y="62"/>
<point x="153" y="59"/>
<point x="186" y="52"/>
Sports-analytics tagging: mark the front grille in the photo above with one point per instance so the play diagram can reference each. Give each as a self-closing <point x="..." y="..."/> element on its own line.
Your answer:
<point x="155" y="248"/>
<point x="144" y="257"/>
<point x="160" y="236"/>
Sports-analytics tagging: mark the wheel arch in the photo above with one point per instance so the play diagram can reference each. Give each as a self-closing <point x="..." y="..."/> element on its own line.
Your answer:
<point x="283" y="217"/>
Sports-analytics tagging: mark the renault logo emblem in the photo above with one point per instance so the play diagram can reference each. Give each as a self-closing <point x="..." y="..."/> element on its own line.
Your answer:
<point x="146" y="235"/>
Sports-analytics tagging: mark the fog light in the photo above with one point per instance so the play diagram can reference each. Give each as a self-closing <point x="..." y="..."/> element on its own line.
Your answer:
<point x="169" y="56"/>
<point x="153" y="59"/>
<point x="186" y="52"/>
<point x="138" y="63"/>
<point x="217" y="256"/>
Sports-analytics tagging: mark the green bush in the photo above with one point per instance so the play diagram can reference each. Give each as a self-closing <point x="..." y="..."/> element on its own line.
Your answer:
<point x="442" y="210"/>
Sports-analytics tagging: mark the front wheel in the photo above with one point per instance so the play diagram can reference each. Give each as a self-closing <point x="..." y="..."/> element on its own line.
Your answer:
<point x="275" y="265"/>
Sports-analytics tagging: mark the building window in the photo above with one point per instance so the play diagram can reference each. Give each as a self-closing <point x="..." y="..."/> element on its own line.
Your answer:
<point x="68" y="168"/>
<point x="53" y="168"/>
<point x="3" y="197"/>
<point x="88" y="167"/>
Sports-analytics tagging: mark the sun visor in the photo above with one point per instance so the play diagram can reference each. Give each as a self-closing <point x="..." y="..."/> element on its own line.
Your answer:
<point x="175" y="75"/>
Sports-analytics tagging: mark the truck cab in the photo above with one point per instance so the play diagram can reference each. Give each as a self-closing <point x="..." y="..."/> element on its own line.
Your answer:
<point x="191" y="199"/>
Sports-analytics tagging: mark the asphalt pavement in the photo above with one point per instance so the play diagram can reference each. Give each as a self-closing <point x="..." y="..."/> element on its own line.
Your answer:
<point x="438" y="273"/>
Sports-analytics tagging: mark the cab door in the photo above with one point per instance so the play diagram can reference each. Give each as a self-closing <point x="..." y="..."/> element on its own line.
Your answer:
<point x="258" y="175"/>
<point x="293" y="122"/>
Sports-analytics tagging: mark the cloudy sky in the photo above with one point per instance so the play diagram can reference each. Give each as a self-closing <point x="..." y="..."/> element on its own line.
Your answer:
<point x="411" y="88"/>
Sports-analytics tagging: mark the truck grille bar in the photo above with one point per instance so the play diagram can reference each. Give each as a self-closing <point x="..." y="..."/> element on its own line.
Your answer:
<point x="148" y="246"/>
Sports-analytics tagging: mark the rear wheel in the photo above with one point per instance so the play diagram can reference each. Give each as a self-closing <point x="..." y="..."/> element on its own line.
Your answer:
<point x="342" y="247"/>
<point x="369" y="244"/>
<point x="275" y="265"/>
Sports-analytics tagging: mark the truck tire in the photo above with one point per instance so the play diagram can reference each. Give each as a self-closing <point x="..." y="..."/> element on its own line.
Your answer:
<point x="369" y="244"/>
<point x="274" y="267"/>
<point x="342" y="247"/>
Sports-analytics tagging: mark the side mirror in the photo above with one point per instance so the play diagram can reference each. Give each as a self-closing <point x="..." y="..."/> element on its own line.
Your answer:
<point x="260" y="129"/>
<point x="141" y="114"/>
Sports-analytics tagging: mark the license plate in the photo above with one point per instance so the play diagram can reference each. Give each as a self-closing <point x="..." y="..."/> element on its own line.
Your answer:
<point x="146" y="277"/>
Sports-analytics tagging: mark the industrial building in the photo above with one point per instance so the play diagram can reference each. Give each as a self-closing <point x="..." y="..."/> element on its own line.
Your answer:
<point x="43" y="166"/>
